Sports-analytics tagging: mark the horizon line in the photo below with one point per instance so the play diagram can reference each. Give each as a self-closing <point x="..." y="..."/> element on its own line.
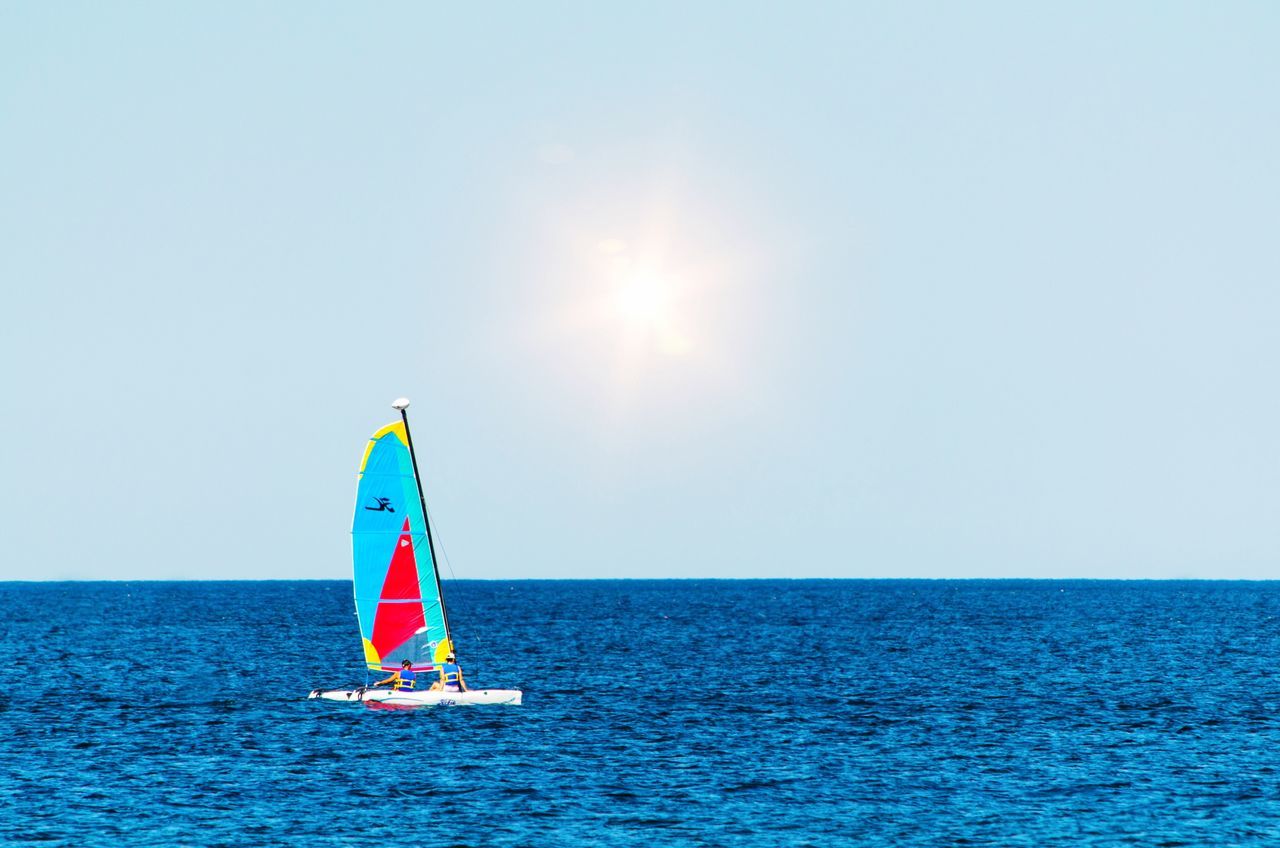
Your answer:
<point x="34" y="580"/>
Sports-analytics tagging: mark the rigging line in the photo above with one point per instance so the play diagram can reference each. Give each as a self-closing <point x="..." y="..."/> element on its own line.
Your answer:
<point x="475" y="633"/>
<point x="444" y="554"/>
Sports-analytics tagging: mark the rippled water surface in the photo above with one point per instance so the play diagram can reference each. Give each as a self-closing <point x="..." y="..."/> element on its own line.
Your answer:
<point x="666" y="712"/>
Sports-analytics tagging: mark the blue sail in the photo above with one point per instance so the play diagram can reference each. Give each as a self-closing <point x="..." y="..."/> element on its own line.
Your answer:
<point x="397" y="596"/>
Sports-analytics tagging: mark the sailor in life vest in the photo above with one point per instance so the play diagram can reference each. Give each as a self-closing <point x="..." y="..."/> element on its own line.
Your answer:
<point x="450" y="676"/>
<point x="402" y="679"/>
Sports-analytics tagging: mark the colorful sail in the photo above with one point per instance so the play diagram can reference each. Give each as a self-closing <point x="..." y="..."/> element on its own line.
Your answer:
<point x="397" y="596"/>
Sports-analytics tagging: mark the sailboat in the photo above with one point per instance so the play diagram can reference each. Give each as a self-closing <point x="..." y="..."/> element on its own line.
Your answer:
<point x="399" y="599"/>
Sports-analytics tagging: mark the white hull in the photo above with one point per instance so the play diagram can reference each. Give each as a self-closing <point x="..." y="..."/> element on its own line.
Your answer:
<point x="425" y="698"/>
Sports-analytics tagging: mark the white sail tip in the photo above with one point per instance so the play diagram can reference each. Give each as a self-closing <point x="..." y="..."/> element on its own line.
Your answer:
<point x="400" y="403"/>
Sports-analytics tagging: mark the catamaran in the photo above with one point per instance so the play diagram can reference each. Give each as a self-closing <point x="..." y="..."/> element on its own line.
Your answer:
<point x="399" y="601"/>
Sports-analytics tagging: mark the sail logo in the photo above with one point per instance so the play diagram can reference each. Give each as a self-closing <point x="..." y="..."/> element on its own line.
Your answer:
<point x="382" y="505"/>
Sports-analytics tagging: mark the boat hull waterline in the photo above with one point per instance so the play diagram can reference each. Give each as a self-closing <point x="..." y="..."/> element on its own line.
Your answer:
<point x="426" y="698"/>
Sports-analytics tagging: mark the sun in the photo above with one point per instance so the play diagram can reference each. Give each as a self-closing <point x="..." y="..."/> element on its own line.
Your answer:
<point x="643" y="299"/>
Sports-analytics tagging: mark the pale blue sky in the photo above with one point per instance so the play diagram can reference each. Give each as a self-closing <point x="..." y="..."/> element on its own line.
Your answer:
<point x="731" y="290"/>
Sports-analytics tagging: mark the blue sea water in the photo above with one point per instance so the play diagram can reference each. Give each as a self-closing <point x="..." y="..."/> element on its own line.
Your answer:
<point x="734" y="713"/>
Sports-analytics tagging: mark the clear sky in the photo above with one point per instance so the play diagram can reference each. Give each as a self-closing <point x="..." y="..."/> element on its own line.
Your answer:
<point x="696" y="290"/>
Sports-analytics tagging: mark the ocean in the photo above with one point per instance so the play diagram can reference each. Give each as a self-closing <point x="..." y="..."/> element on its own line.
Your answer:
<point x="718" y="713"/>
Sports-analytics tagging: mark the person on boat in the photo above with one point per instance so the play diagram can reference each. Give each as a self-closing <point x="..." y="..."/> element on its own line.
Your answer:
<point x="450" y="676"/>
<point x="405" y="678"/>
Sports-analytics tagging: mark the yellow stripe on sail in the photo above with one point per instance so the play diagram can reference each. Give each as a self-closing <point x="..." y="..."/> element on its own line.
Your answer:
<point x="397" y="428"/>
<point x="371" y="658"/>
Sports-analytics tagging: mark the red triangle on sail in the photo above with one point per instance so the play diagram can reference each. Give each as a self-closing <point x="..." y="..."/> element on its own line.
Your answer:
<point x="401" y="582"/>
<point x="394" y="623"/>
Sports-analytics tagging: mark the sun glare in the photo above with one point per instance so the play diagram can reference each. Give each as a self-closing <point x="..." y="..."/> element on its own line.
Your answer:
<point x="642" y="299"/>
<point x="647" y="296"/>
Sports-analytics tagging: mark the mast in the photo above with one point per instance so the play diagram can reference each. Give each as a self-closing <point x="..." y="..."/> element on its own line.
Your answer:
<point x="402" y="404"/>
